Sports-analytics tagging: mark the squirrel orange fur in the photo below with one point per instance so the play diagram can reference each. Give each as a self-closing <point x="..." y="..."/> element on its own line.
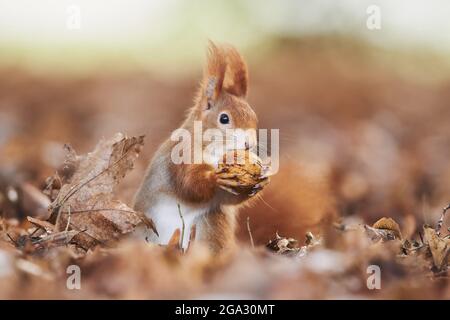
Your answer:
<point x="220" y="104"/>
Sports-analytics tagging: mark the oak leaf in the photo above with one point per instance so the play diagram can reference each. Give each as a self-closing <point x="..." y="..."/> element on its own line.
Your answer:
<point x="439" y="247"/>
<point x="85" y="201"/>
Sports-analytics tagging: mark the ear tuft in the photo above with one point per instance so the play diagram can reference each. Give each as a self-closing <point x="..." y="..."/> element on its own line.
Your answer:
<point x="236" y="73"/>
<point x="215" y="71"/>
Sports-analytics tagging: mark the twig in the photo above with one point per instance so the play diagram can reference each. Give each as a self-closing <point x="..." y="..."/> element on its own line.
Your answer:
<point x="421" y="237"/>
<point x="56" y="239"/>
<point x="96" y="210"/>
<point x="68" y="220"/>
<point x="250" y="232"/>
<point x="12" y="240"/>
<point x="183" y="226"/>
<point x="441" y="220"/>
<point x="38" y="228"/>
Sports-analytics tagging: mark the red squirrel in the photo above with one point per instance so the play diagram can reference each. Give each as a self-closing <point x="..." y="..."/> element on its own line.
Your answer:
<point x="202" y="193"/>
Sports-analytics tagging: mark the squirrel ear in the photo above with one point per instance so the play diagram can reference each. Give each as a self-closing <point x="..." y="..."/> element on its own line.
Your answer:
<point x="236" y="74"/>
<point x="214" y="73"/>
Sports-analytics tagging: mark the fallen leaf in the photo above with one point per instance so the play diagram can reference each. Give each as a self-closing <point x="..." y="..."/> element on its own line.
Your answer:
<point x="55" y="239"/>
<point x="34" y="201"/>
<point x="96" y="174"/>
<point x="283" y="245"/>
<point x="439" y="247"/>
<point x="388" y="224"/>
<point x="45" y="225"/>
<point x="174" y="242"/>
<point x="192" y="235"/>
<point x="379" y="234"/>
<point x="289" y="246"/>
<point x="311" y="240"/>
<point x="85" y="201"/>
<point x="385" y="229"/>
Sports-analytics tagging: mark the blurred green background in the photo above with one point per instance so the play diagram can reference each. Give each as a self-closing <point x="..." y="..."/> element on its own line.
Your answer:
<point x="169" y="36"/>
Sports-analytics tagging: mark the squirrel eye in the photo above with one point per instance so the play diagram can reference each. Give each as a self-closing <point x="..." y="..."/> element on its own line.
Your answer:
<point x="224" y="119"/>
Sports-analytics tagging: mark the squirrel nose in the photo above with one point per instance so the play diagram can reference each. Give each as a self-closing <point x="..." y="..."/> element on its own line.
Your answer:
<point x="247" y="145"/>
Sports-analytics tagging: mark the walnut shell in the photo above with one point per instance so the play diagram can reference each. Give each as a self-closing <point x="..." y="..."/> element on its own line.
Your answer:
<point x="245" y="168"/>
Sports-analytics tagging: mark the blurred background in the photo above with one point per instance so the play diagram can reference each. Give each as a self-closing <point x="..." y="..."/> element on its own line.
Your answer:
<point x="360" y="91"/>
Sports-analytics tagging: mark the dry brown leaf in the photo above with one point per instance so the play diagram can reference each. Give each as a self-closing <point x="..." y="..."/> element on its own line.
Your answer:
<point x="85" y="201"/>
<point x="55" y="239"/>
<point x="439" y="247"/>
<point x="384" y="229"/>
<point x="388" y="224"/>
<point x="98" y="225"/>
<point x="33" y="201"/>
<point x="380" y="234"/>
<point x="283" y="245"/>
<point x="147" y="222"/>
<point x="192" y="235"/>
<point x="32" y="244"/>
<point x="289" y="246"/>
<point x="174" y="242"/>
<point x="96" y="174"/>
<point x="45" y="225"/>
<point x="311" y="240"/>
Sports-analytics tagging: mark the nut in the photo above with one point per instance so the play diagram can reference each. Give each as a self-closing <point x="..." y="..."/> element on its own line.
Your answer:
<point x="243" y="167"/>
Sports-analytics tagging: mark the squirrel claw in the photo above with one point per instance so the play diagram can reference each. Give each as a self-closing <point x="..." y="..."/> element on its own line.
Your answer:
<point x="263" y="181"/>
<point x="259" y="186"/>
<point x="228" y="183"/>
<point x="230" y="190"/>
<point x="255" y="190"/>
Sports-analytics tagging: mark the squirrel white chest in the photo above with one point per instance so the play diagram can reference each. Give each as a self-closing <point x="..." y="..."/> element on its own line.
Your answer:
<point x="167" y="218"/>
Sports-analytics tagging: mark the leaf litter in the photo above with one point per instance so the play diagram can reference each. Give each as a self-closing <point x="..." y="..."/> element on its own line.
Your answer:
<point x="86" y="223"/>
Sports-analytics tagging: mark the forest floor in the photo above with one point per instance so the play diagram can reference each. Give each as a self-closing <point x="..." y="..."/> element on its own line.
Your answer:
<point x="360" y="141"/>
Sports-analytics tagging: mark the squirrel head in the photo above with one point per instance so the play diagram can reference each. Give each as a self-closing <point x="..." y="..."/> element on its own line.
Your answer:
<point x="221" y="100"/>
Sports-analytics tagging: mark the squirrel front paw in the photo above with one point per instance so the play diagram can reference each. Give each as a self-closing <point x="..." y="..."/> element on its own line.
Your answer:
<point x="259" y="186"/>
<point x="241" y="183"/>
<point x="244" y="175"/>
